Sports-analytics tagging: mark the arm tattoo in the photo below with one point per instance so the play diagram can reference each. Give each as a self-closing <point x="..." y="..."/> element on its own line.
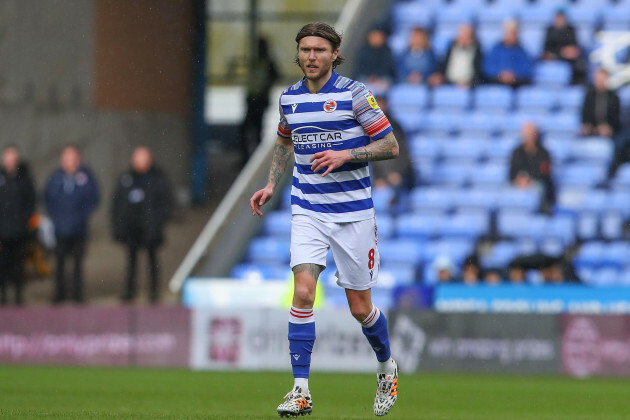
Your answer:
<point x="382" y="149"/>
<point x="281" y="155"/>
<point x="313" y="269"/>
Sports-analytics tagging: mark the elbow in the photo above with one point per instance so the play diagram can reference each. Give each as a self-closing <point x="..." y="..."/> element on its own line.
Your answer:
<point x="395" y="151"/>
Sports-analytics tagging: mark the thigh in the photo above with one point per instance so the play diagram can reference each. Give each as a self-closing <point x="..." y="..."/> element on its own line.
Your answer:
<point x="354" y="249"/>
<point x="309" y="241"/>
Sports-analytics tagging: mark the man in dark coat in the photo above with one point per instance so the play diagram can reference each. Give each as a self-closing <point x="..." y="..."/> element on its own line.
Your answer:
<point x="530" y="166"/>
<point x="141" y="207"/>
<point x="600" y="112"/>
<point x="71" y="195"/>
<point x="561" y="44"/>
<point x="17" y="204"/>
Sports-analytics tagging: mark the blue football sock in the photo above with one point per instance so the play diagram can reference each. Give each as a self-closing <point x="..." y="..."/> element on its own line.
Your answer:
<point x="301" y="341"/>
<point x="375" y="330"/>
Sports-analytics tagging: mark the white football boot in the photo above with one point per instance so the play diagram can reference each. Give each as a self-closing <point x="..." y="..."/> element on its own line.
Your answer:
<point x="386" y="391"/>
<point x="296" y="403"/>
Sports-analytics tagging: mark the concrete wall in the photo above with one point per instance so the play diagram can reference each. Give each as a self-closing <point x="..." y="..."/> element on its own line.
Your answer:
<point x="49" y="81"/>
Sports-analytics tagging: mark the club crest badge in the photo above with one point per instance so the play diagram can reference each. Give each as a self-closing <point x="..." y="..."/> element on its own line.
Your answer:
<point x="330" y="105"/>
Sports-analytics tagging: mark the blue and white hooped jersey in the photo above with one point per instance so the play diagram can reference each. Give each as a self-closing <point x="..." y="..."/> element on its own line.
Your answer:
<point x="342" y="115"/>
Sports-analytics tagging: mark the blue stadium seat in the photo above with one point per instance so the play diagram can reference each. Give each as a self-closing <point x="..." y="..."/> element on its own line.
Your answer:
<point x="585" y="14"/>
<point x="411" y="225"/>
<point x="464" y="150"/>
<point x="452" y="16"/>
<point x="526" y="200"/>
<point x="500" y="255"/>
<point x="451" y="174"/>
<point x="532" y="40"/>
<point x="518" y="224"/>
<point x="616" y="18"/>
<point x="406" y="16"/>
<point x="470" y="199"/>
<point x="278" y="224"/>
<point x="588" y="226"/>
<point x="559" y="148"/>
<point x="400" y="251"/>
<point x="410" y="121"/>
<point x="624" y="277"/>
<point x="585" y="35"/>
<point x="502" y="148"/>
<point x="451" y="98"/>
<point x="456" y="249"/>
<point x="480" y="124"/>
<point x="394" y="275"/>
<point x="386" y="226"/>
<point x="488" y="37"/>
<point x="612" y="225"/>
<point x="493" y="17"/>
<point x="552" y="247"/>
<point x="466" y="225"/>
<point x="622" y="177"/>
<point x="268" y="250"/>
<point x="552" y="73"/>
<point x="440" y="123"/>
<point x="616" y="254"/>
<point x="511" y="124"/>
<point x="536" y="99"/>
<point x="577" y="199"/>
<point x="605" y="277"/>
<point x="560" y="124"/>
<point x="441" y="41"/>
<point x="260" y="272"/>
<point x="490" y="174"/>
<point x="597" y="150"/>
<point x="382" y="198"/>
<point x="490" y="98"/>
<point x="561" y="227"/>
<point x="286" y="198"/>
<point x="537" y="15"/>
<point x="580" y="175"/>
<point x="433" y="198"/>
<point x="589" y="255"/>
<point x="424" y="147"/>
<point x="408" y="97"/>
<point x="398" y="42"/>
<point x="624" y="100"/>
<point x="619" y="200"/>
<point x="571" y="99"/>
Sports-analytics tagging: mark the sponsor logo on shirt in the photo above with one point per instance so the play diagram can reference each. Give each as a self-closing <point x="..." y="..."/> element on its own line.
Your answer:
<point x="372" y="101"/>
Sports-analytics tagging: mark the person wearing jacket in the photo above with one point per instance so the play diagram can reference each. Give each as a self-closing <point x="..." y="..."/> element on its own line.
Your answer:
<point x="17" y="204"/>
<point x="462" y="64"/>
<point x="141" y="207"/>
<point x="71" y="195"/>
<point x="508" y="63"/>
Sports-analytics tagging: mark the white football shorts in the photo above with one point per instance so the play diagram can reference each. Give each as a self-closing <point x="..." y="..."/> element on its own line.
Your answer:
<point x="353" y="247"/>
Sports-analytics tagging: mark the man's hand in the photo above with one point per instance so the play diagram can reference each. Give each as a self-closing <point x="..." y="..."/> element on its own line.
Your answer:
<point x="260" y="198"/>
<point x="331" y="158"/>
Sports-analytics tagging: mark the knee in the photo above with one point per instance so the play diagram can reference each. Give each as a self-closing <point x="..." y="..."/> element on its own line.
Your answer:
<point x="360" y="310"/>
<point x="303" y="296"/>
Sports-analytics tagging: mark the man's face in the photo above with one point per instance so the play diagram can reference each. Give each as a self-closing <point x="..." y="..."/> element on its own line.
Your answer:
<point x="316" y="56"/>
<point x="70" y="160"/>
<point x="141" y="160"/>
<point x="10" y="160"/>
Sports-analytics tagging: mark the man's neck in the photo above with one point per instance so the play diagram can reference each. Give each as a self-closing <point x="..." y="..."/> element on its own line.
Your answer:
<point x="314" y="86"/>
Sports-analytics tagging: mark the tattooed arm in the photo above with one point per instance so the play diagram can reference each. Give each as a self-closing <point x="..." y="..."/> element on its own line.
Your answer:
<point x="281" y="154"/>
<point x="382" y="149"/>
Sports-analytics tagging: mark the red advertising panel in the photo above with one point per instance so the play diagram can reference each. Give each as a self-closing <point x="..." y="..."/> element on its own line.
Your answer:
<point x="596" y="345"/>
<point x="96" y="336"/>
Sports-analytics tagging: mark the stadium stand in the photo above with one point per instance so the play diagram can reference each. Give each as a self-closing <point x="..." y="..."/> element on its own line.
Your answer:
<point x="460" y="141"/>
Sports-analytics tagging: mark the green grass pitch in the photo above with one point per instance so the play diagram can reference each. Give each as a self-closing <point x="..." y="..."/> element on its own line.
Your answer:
<point x="101" y="393"/>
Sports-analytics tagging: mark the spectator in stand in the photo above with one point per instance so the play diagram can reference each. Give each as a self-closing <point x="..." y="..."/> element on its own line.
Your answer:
<point x="471" y="272"/>
<point x="492" y="277"/>
<point x="397" y="174"/>
<point x="444" y="268"/>
<point x="561" y="44"/>
<point x="140" y="208"/>
<point x="375" y="62"/>
<point x="71" y="196"/>
<point x="530" y="166"/>
<point x="462" y="63"/>
<point x="17" y="204"/>
<point x="418" y="62"/>
<point x="508" y="63"/>
<point x="262" y="75"/>
<point x="552" y="269"/>
<point x="600" y="112"/>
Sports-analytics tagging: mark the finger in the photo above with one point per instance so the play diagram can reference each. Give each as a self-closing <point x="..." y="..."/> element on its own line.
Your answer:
<point x="329" y="170"/>
<point x="317" y="156"/>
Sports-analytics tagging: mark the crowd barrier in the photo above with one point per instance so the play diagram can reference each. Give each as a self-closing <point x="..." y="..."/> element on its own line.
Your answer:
<point x="580" y="345"/>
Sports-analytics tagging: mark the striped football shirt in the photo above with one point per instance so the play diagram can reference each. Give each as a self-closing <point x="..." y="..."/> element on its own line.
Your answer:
<point x="342" y="115"/>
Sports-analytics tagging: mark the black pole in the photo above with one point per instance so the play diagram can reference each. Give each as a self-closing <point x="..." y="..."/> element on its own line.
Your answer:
<point x="199" y="127"/>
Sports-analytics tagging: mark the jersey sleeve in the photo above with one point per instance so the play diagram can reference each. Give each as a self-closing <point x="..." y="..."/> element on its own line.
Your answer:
<point x="368" y="114"/>
<point x="283" y="126"/>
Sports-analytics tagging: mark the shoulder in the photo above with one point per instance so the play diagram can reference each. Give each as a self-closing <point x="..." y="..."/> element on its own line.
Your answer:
<point x="347" y="84"/>
<point x="293" y="89"/>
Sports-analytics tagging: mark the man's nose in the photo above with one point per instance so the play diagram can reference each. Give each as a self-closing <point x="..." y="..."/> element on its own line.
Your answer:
<point x="311" y="55"/>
